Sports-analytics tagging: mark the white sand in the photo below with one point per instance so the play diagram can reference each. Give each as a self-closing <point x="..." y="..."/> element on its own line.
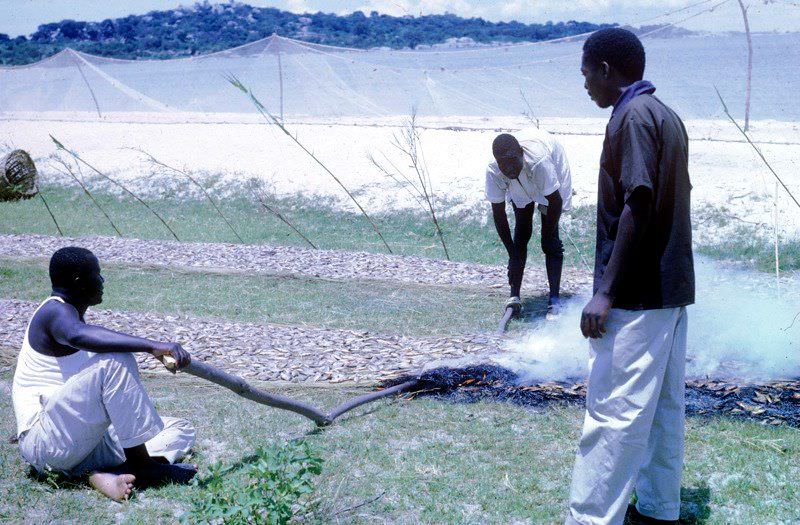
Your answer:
<point x="725" y="171"/>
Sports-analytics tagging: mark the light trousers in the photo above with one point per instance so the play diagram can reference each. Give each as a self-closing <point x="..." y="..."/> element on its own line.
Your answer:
<point x="633" y="432"/>
<point x="101" y="410"/>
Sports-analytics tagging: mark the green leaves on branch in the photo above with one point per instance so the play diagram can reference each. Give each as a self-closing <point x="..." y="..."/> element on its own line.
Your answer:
<point x="271" y="493"/>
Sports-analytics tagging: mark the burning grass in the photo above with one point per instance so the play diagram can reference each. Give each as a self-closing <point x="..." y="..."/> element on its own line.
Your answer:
<point x="772" y="403"/>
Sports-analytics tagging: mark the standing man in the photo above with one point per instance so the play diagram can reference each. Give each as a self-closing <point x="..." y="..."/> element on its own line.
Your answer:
<point x="644" y="277"/>
<point x="530" y="168"/>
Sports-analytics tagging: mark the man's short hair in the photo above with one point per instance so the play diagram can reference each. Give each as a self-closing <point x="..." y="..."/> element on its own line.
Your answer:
<point x="620" y="48"/>
<point x="68" y="263"/>
<point x="505" y="146"/>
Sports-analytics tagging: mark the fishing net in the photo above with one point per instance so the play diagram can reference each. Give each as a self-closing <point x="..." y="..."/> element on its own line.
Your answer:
<point x="301" y="80"/>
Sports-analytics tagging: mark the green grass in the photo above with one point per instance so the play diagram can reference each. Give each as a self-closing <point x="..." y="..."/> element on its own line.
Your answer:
<point x="469" y="236"/>
<point x="431" y="462"/>
<point x="413" y="310"/>
<point x="756" y="251"/>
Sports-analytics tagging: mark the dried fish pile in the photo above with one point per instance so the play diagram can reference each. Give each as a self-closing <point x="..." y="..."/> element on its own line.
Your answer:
<point x="285" y="260"/>
<point x="774" y="403"/>
<point x="270" y="352"/>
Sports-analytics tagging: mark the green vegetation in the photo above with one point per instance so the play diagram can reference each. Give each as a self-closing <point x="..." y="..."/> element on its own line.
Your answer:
<point x="421" y="461"/>
<point x="204" y="28"/>
<point x="470" y="235"/>
<point x="412" y="310"/>
<point x="277" y="478"/>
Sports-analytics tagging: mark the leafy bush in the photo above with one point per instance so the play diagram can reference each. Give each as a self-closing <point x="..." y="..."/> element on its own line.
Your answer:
<point x="270" y="493"/>
<point x="206" y="27"/>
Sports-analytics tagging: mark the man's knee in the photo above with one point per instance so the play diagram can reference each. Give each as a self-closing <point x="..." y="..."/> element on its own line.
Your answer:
<point x="552" y="246"/>
<point x="116" y="360"/>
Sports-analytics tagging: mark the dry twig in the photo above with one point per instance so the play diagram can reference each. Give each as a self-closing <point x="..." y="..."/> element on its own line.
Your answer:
<point x="758" y="151"/>
<point x="78" y="158"/>
<point x="263" y="201"/>
<point x="419" y="185"/>
<point x="269" y="117"/>
<point x="39" y="192"/>
<point x="67" y="170"/>
<point x="157" y="162"/>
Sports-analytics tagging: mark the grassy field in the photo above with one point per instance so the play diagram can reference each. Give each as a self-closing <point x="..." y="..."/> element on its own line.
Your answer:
<point x="470" y="235"/>
<point x="426" y="461"/>
<point x="413" y="310"/>
<point x="421" y="461"/>
<point x="469" y="238"/>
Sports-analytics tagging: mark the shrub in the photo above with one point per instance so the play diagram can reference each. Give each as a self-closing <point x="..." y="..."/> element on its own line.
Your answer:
<point x="271" y="492"/>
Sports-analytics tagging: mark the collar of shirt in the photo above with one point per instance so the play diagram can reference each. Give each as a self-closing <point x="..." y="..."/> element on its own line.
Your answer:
<point x="640" y="87"/>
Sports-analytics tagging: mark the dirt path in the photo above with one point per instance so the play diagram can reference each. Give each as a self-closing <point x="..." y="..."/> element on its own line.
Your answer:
<point x="268" y="352"/>
<point x="287" y="260"/>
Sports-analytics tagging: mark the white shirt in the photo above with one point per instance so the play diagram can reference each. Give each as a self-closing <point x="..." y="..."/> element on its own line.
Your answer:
<point x="38" y="375"/>
<point x="545" y="170"/>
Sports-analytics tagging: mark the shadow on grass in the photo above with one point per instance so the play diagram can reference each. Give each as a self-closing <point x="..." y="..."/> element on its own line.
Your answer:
<point x="534" y="310"/>
<point x="694" y="505"/>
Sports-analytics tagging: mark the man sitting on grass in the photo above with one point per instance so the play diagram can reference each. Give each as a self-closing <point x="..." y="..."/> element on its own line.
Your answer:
<point x="530" y="168"/>
<point x="78" y="399"/>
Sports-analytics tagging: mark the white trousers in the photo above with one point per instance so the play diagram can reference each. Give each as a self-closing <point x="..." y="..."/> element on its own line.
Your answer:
<point x="85" y="424"/>
<point x="634" y="426"/>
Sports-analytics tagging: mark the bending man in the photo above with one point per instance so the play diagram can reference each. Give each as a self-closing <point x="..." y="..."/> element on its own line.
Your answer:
<point x="78" y="399"/>
<point x="530" y="168"/>
<point x="644" y="278"/>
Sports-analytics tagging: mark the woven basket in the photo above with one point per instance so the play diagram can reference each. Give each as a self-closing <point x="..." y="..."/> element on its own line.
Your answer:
<point x="17" y="176"/>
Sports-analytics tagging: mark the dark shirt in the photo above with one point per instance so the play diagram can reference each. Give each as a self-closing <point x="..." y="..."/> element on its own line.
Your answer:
<point x="646" y="145"/>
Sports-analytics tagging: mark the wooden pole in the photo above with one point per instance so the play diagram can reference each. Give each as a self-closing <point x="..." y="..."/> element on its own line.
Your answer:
<point x="241" y="387"/>
<point x="280" y="78"/>
<point x="777" y="255"/>
<point x="749" y="66"/>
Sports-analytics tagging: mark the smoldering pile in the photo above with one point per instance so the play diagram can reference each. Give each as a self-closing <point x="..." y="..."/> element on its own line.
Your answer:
<point x="771" y="402"/>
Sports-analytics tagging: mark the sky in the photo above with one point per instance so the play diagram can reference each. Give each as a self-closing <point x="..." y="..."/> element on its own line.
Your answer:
<point x="23" y="16"/>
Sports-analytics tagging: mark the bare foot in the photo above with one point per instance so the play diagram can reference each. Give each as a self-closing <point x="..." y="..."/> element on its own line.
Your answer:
<point x="117" y="487"/>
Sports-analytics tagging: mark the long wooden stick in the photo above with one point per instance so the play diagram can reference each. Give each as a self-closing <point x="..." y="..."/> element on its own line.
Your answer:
<point x="371" y="396"/>
<point x="241" y="387"/>
<point x="501" y="329"/>
<point x="749" y="66"/>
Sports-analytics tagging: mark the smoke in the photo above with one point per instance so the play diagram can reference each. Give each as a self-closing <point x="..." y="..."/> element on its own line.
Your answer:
<point x="742" y="326"/>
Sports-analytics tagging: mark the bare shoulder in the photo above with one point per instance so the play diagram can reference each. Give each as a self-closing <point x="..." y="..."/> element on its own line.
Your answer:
<point x="56" y="311"/>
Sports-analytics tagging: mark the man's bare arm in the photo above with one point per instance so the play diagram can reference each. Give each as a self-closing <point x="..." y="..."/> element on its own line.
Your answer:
<point x="502" y="227"/>
<point x="632" y="225"/>
<point x="65" y="327"/>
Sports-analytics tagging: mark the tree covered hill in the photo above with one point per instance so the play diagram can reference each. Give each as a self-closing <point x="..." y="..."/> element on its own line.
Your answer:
<point x="206" y="27"/>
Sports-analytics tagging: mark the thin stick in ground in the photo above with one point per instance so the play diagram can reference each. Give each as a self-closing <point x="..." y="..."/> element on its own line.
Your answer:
<point x="49" y="211"/>
<point x="157" y="162"/>
<point x="269" y="117"/>
<point x="78" y="158"/>
<point x="419" y="185"/>
<point x="68" y="171"/>
<point x="263" y="201"/>
<point x="529" y="114"/>
<point x="758" y="151"/>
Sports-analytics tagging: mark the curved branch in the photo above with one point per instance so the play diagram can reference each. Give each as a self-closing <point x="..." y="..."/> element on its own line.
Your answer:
<point x="242" y="388"/>
<point x="371" y="396"/>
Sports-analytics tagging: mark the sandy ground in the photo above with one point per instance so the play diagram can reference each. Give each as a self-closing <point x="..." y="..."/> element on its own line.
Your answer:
<point x="725" y="170"/>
